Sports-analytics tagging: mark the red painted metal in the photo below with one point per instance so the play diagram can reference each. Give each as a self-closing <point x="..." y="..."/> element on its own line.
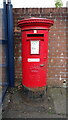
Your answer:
<point x="34" y="74"/>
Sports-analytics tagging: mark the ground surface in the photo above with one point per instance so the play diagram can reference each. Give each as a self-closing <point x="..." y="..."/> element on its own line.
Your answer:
<point x="17" y="105"/>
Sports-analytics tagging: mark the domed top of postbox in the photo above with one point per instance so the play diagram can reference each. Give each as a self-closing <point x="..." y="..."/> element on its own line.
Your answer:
<point x="35" y="23"/>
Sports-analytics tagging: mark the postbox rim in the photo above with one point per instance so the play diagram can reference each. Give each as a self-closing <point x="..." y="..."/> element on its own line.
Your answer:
<point x="35" y="20"/>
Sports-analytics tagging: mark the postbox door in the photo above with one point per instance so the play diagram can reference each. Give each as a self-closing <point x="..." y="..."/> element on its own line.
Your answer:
<point x="39" y="60"/>
<point x="34" y="62"/>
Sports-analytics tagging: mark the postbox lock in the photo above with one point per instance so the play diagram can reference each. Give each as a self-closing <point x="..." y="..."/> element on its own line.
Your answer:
<point x="41" y="65"/>
<point x="44" y="57"/>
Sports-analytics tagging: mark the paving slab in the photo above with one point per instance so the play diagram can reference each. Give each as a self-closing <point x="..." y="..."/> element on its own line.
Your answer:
<point x="59" y="98"/>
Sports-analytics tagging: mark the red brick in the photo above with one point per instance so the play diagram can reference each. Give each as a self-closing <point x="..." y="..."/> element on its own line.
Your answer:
<point x="57" y="35"/>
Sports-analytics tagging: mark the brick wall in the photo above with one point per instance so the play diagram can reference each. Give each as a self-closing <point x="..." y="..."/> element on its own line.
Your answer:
<point x="57" y="46"/>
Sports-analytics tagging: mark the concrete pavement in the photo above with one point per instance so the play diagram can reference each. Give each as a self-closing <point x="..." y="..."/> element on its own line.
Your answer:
<point x="17" y="105"/>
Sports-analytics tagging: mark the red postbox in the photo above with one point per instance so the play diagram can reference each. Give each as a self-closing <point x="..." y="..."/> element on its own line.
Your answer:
<point x="34" y="51"/>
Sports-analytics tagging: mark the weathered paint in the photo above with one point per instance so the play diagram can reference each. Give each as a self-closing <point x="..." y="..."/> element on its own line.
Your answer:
<point x="34" y="73"/>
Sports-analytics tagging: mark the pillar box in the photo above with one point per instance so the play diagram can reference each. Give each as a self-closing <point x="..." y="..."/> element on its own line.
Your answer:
<point x="35" y="52"/>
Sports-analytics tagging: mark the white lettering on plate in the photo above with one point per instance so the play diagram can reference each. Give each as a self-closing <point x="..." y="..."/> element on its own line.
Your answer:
<point x="33" y="60"/>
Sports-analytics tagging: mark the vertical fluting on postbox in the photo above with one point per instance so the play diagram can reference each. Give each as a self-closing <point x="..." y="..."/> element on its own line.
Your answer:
<point x="35" y="52"/>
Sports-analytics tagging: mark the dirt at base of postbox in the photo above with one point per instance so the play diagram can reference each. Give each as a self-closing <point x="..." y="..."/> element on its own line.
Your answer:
<point x="16" y="100"/>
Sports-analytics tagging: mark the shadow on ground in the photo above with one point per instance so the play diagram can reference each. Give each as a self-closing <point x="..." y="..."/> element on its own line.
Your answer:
<point x="17" y="105"/>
